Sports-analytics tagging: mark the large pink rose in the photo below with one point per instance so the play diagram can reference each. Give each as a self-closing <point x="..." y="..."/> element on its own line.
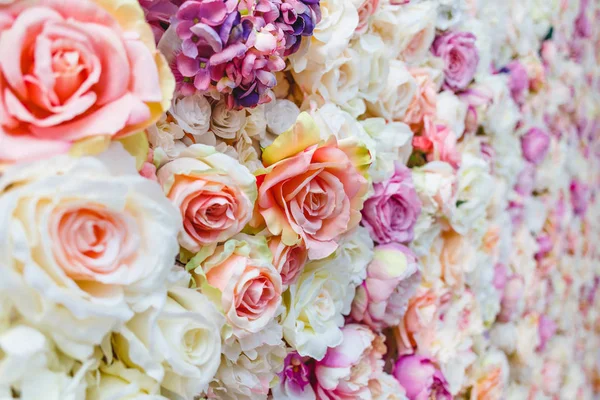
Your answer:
<point x="312" y="191"/>
<point x="214" y="193"/>
<point x="250" y="287"/>
<point x="73" y="69"/>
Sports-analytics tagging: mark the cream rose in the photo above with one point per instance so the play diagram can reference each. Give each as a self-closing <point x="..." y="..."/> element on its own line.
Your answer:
<point x="192" y="113"/>
<point x="178" y="344"/>
<point x="394" y="99"/>
<point x="116" y="381"/>
<point x="337" y="82"/>
<point x="374" y="65"/>
<point x="33" y="368"/>
<point x="225" y="122"/>
<point x="213" y="192"/>
<point x="417" y="22"/>
<point x="84" y="242"/>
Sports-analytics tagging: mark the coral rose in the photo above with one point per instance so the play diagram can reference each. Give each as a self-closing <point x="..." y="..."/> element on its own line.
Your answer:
<point x="240" y="270"/>
<point x="213" y="192"/>
<point x="74" y="69"/>
<point x="312" y="191"/>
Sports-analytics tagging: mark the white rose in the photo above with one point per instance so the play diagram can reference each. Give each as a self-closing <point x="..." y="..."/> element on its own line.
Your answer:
<point x="355" y="251"/>
<point x="31" y="367"/>
<point x="508" y="160"/>
<point x="450" y="13"/>
<point x="84" y="243"/>
<point x="337" y="82"/>
<point x="417" y="22"/>
<point x="251" y="375"/>
<point x="426" y="230"/>
<point x="117" y="382"/>
<point x="225" y="122"/>
<point x="192" y="113"/>
<point x="395" y="98"/>
<point x="314" y="308"/>
<point x="436" y="185"/>
<point x="475" y="189"/>
<point x="178" y="345"/>
<point x="502" y="115"/>
<point x="339" y="19"/>
<point x="280" y="115"/>
<point x="166" y="136"/>
<point x="256" y="122"/>
<point x="452" y="111"/>
<point x="374" y="65"/>
<point x="393" y="143"/>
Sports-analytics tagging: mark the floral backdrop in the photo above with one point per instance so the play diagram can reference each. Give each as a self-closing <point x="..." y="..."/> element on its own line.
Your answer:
<point x="299" y="199"/>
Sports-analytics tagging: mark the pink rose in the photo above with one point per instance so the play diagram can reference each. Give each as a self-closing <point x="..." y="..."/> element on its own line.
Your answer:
<point x="421" y="378"/>
<point x="312" y="191"/>
<point x="392" y="277"/>
<point x="442" y="141"/>
<point x="365" y="8"/>
<point x="535" y="145"/>
<point x="73" y="69"/>
<point x="213" y="192"/>
<point x="460" y="56"/>
<point x="250" y="286"/>
<point x="288" y="260"/>
<point x="526" y="180"/>
<point x="424" y="102"/>
<point x="391" y="212"/>
<point x="346" y="370"/>
<point x="518" y="81"/>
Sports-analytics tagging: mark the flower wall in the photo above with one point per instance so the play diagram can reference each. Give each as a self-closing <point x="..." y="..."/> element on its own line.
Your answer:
<point x="299" y="199"/>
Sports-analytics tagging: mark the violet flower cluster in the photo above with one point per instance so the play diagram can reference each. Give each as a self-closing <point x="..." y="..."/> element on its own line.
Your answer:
<point x="234" y="47"/>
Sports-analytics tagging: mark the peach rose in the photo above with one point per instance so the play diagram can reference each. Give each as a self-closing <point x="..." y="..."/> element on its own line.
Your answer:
<point x="288" y="260"/>
<point x="424" y="102"/>
<point x="84" y="244"/>
<point x="312" y="191"/>
<point x="214" y="193"/>
<point x="457" y="258"/>
<point x="74" y="69"/>
<point x="250" y="287"/>
<point x="419" y="320"/>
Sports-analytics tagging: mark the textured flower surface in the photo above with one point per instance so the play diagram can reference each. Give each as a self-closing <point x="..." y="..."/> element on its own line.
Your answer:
<point x="299" y="199"/>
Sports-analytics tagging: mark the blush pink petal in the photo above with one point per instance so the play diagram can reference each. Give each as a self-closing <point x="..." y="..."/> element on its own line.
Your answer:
<point x="145" y="85"/>
<point x="29" y="148"/>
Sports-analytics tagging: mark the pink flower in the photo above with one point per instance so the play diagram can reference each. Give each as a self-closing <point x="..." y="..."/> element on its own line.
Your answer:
<point x="392" y="277"/>
<point x="288" y="260"/>
<point x="249" y="285"/>
<point x="213" y="192"/>
<point x="294" y="380"/>
<point x="526" y="180"/>
<point x="424" y="102"/>
<point x="579" y="196"/>
<point x="346" y="370"/>
<point x="518" y="81"/>
<point x="535" y="145"/>
<point x="419" y="320"/>
<point x="546" y="329"/>
<point x="312" y="191"/>
<point x="442" y="143"/>
<point x="158" y="12"/>
<point x="421" y="378"/>
<point x="460" y="56"/>
<point x="391" y="212"/>
<point x="74" y="69"/>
